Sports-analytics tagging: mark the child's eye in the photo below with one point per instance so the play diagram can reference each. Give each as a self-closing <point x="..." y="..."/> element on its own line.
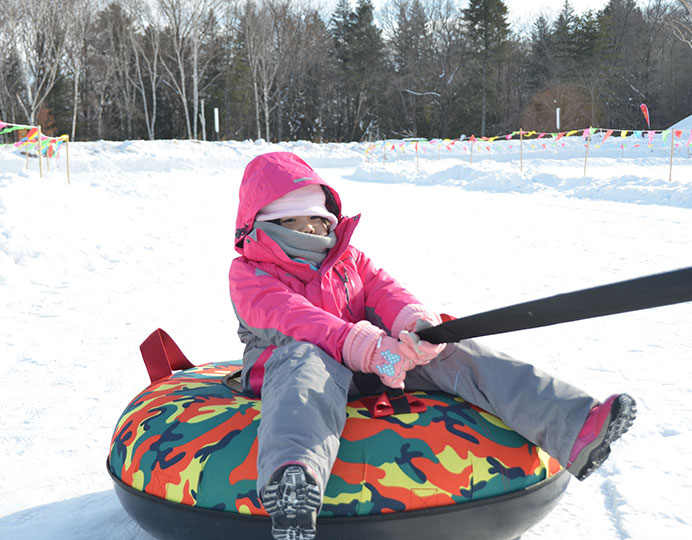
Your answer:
<point x="288" y="220"/>
<point x="315" y="217"/>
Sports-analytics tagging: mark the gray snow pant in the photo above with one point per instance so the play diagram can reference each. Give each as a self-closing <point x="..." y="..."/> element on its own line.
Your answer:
<point x="305" y="392"/>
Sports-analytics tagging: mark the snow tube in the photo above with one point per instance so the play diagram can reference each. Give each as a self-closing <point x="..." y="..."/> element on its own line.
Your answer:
<point x="183" y="461"/>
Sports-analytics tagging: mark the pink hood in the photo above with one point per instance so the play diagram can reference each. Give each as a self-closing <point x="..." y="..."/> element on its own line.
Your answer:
<point x="270" y="176"/>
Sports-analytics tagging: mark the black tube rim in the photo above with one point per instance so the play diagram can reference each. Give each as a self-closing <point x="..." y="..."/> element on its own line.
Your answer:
<point x="560" y="477"/>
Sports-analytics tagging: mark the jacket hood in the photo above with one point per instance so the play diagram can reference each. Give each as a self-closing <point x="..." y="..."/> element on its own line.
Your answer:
<point x="270" y="176"/>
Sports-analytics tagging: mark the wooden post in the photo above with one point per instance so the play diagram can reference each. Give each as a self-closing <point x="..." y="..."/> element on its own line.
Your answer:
<point x="67" y="156"/>
<point x="471" y="160"/>
<point x="38" y="144"/>
<point x="586" y="156"/>
<point x="672" y="149"/>
<point x="521" y="149"/>
<point x="384" y="151"/>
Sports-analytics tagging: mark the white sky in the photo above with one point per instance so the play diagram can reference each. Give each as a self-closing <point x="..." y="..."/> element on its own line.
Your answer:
<point x="529" y="10"/>
<point x="523" y="10"/>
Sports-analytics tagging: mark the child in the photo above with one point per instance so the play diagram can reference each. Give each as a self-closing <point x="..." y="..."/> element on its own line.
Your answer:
<point x="315" y="315"/>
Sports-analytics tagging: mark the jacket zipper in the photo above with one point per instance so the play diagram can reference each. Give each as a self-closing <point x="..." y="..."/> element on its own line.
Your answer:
<point x="344" y="280"/>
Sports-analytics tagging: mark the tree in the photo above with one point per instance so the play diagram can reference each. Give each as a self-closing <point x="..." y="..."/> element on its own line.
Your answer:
<point x="623" y="34"/>
<point x="488" y="31"/>
<point x="75" y="60"/>
<point x="339" y="29"/>
<point x="290" y="42"/>
<point x="359" y="50"/>
<point x="97" y="86"/>
<point x="657" y="15"/>
<point x="449" y="67"/>
<point x="411" y="54"/>
<point x="683" y="25"/>
<point x="541" y="61"/>
<point x="118" y="31"/>
<point x="669" y="78"/>
<point x="145" y="74"/>
<point x="40" y="38"/>
<point x="305" y="80"/>
<point x="233" y="88"/>
<point x="189" y="28"/>
<point x="564" y="50"/>
<point x="258" y="35"/>
<point x="8" y="65"/>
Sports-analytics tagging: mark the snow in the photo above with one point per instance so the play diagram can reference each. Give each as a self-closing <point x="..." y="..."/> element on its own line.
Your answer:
<point x="142" y="238"/>
<point x="685" y="123"/>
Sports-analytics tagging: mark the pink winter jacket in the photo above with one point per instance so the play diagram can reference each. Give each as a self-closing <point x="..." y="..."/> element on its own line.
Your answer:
<point x="278" y="300"/>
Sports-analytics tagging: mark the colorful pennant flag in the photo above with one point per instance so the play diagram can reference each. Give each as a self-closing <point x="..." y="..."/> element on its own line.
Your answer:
<point x="645" y="112"/>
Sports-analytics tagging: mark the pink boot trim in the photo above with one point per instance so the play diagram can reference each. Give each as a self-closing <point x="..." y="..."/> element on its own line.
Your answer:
<point x="605" y="424"/>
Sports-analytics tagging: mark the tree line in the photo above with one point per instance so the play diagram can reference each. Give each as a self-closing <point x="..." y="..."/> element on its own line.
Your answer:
<point x="284" y="70"/>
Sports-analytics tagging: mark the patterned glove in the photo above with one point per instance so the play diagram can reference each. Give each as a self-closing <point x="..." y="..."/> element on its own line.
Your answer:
<point x="369" y="350"/>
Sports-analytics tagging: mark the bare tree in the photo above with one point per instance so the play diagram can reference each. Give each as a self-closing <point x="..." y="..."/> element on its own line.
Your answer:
<point x="658" y="15"/>
<point x="189" y="25"/>
<point x="146" y="50"/>
<point x="683" y="26"/>
<point x="118" y="30"/>
<point x="76" y="51"/>
<point x="40" y="40"/>
<point x="258" y="34"/>
<point x="6" y="50"/>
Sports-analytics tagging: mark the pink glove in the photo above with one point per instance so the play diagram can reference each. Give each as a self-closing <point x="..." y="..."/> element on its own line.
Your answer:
<point x="369" y="350"/>
<point x="421" y="352"/>
<point x="409" y="316"/>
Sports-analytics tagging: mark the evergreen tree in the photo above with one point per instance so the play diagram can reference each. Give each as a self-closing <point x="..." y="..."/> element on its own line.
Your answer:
<point x="622" y="34"/>
<point x="489" y="32"/>
<point x="309" y="85"/>
<point x="410" y="88"/>
<point x="339" y="29"/>
<point x="450" y="70"/>
<point x="358" y="49"/>
<point x="540" y="63"/>
<point x="563" y="48"/>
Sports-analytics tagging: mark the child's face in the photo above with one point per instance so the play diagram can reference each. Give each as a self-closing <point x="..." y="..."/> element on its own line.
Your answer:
<point x="306" y="224"/>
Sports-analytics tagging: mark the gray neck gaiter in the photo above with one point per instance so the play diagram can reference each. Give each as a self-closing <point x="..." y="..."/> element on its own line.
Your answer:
<point x="301" y="247"/>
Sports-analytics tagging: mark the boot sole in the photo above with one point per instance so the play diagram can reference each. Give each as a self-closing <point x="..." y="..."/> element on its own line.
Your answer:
<point x="292" y="503"/>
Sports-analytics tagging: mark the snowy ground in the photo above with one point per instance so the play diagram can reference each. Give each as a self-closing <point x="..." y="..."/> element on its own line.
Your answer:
<point x="142" y="238"/>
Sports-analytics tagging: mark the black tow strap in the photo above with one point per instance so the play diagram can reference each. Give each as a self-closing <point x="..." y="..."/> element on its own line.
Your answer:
<point x="641" y="293"/>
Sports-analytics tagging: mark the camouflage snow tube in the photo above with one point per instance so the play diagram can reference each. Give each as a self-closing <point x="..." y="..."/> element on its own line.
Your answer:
<point x="183" y="460"/>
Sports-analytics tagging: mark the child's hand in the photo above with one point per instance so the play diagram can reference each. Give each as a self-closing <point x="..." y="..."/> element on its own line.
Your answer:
<point x="421" y="352"/>
<point x="412" y="317"/>
<point x="390" y="361"/>
<point x="369" y="350"/>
